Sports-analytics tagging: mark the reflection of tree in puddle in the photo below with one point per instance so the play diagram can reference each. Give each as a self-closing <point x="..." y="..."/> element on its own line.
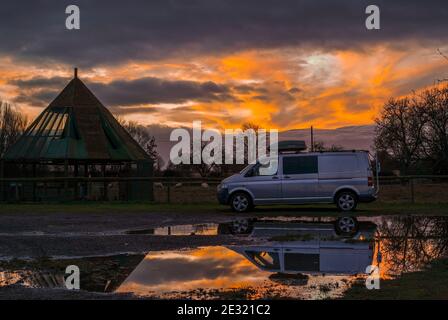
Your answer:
<point x="409" y="243"/>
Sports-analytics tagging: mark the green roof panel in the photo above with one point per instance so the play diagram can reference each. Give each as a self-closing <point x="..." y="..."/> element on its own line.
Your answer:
<point x="76" y="126"/>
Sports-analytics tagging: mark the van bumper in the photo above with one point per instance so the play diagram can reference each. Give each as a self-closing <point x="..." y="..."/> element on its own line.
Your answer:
<point x="367" y="197"/>
<point x="223" y="196"/>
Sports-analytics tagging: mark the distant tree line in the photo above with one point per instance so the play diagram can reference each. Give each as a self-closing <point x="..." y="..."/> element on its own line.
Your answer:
<point x="411" y="133"/>
<point x="144" y="138"/>
<point x="12" y="124"/>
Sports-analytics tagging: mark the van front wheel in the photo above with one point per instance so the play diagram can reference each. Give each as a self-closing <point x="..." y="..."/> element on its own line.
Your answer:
<point x="346" y="201"/>
<point x="241" y="202"/>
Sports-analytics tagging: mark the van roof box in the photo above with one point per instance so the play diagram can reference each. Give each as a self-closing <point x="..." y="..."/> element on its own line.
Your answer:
<point x="291" y="146"/>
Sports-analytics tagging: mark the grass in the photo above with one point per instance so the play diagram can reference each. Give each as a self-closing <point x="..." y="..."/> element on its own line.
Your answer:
<point x="370" y="209"/>
<point x="430" y="283"/>
<point x="107" y="207"/>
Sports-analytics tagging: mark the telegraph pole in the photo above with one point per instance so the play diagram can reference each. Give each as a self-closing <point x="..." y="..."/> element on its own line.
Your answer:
<point x="312" y="139"/>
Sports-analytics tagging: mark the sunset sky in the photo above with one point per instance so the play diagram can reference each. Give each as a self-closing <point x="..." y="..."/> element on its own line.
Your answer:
<point x="281" y="64"/>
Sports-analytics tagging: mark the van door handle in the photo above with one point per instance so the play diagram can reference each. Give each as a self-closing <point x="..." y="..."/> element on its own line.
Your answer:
<point x="274" y="178"/>
<point x="286" y="177"/>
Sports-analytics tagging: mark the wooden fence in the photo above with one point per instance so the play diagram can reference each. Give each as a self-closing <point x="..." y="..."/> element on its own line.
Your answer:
<point x="422" y="188"/>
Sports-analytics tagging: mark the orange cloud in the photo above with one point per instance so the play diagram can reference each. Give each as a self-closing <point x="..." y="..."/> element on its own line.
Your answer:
<point x="282" y="88"/>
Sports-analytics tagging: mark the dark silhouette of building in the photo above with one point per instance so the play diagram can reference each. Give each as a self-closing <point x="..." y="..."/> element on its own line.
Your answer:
<point x="76" y="137"/>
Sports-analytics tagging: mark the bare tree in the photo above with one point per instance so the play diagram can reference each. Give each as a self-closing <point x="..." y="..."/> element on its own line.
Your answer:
<point x="408" y="243"/>
<point x="319" y="146"/>
<point x="12" y="124"/>
<point x="250" y="125"/>
<point x="142" y="136"/>
<point x="435" y="104"/>
<point x="203" y="169"/>
<point x="400" y="131"/>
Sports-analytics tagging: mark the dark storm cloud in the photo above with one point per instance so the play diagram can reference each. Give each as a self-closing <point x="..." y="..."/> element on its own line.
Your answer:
<point x="166" y="112"/>
<point x="40" y="82"/>
<point x="149" y="90"/>
<point x="247" y="88"/>
<point x="40" y="98"/>
<point x="114" y="31"/>
<point x="155" y="90"/>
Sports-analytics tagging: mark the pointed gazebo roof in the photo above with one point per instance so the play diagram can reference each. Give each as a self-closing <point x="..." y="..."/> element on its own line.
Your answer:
<point x="76" y="126"/>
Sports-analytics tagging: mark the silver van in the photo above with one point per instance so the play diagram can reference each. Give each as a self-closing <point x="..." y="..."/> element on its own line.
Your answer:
<point x="344" y="178"/>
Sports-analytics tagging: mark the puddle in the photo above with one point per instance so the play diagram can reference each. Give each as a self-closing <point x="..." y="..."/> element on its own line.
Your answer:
<point x="211" y="229"/>
<point x="219" y="272"/>
<point x="298" y="267"/>
<point x="203" y="229"/>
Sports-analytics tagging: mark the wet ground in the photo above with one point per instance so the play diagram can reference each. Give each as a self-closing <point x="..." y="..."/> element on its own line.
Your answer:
<point x="37" y="235"/>
<point x="191" y="256"/>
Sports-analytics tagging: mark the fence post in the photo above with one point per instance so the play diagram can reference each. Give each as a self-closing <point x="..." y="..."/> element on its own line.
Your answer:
<point x="1" y="180"/>
<point x="66" y="180"/>
<point x="168" y="193"/>
<point x="411" y="185"/>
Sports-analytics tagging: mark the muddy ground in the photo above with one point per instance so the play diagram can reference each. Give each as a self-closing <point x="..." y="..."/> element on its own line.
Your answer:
<point x="38" y="236"/>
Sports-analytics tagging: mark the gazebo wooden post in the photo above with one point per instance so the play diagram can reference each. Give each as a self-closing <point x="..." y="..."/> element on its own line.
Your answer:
<point x="86" y="188"/>
<point x="34" y="182"/>
<point x="2" y="183"/>
<point x="66" y="180"/>
<point x="75" y="174"/>
<point x="103" y="169"/>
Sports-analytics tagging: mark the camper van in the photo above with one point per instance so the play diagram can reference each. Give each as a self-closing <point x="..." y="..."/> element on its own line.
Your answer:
<point x="344" y="178"/>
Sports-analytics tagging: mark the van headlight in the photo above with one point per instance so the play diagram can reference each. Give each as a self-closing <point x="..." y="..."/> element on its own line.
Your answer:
<point x="222" y="186"/>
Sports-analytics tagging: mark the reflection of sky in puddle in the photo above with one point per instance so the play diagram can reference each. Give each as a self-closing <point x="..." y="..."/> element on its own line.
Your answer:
<point x="205" y="229"/>
<point x="407" y="244"/>
<point x="176" y="273"/>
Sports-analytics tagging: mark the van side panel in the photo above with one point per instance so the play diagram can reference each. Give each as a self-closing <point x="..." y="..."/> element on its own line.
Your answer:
<point x="345" y="260"/>
<point x="299" y="178"/>
<point x="338" y="171"/>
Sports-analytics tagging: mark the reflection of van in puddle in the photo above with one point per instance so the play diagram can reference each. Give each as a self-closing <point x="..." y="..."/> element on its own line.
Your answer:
<point x="343" y="178"/>
<point x="345" y="226"/>
<point x="312" y="256"/>
<point x="312" y="246"/>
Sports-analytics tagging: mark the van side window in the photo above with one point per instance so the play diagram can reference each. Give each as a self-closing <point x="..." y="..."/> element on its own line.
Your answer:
<point x="300" y="165"/>
<point x="338" y="163"/>
<point x="264" y="259"/>
<point x="301" y="262"/>
<point x="268" y="169"/>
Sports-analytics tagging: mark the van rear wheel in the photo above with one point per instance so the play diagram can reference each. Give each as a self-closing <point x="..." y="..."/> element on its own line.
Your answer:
<point x="241" y="202"/>
<point x="346" y="226"/>
<point x="346" y="201"/>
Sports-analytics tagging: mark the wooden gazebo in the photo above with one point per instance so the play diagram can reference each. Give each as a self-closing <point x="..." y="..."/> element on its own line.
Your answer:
<point x="75" y="136"/>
